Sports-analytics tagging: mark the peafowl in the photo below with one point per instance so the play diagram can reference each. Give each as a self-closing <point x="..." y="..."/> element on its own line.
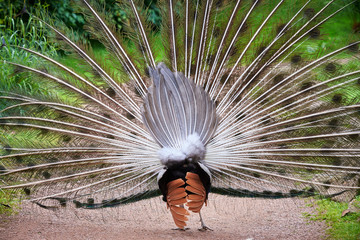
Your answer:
<point x="243" y="98"/>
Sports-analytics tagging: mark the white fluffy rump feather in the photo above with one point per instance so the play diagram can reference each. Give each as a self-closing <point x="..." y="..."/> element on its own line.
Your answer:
<point x="192" y="149"/>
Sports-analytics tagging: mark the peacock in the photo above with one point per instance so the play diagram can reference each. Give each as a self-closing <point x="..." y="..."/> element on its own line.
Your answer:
<point x="242" y="98"/>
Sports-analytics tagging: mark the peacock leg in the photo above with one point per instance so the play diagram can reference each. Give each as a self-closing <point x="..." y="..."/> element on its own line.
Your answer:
<point x="203" y="225"/>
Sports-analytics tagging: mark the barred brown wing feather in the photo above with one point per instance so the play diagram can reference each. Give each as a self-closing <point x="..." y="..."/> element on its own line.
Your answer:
<point x="176" y="196"/>
<point x="193" y="196"/>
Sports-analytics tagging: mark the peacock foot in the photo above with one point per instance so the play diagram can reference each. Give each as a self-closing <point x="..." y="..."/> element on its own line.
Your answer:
<point x="180" y="229"/>
<point x="205" y="228"/>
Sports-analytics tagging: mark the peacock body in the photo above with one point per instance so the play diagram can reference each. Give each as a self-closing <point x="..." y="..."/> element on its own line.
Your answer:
<point x="246" y="98"/>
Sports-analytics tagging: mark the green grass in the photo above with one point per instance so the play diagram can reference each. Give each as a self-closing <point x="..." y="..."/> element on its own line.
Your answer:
<point x="17" y="32"/>
<point x="342" y="228"/>
<point x="8" y="203"/>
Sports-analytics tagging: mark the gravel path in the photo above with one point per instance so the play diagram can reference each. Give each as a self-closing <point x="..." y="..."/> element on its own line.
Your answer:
<point x="230" y="218"/>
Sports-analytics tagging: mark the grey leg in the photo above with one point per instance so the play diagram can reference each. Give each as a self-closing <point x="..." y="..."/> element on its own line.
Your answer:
<point x="203" y="226"/>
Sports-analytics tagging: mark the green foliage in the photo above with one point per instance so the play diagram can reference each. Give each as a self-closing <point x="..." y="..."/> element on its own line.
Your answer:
<point x="154" y="16"/>
<point x="18" y="33"/>
<point x="9" y="8"/>
<point x="344" y="228"/>
<point x="8" y="203"/>
<point x="63" y="11"/>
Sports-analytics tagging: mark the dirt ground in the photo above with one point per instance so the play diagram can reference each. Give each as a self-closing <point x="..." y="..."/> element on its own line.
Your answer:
<point x="230" y="218"/>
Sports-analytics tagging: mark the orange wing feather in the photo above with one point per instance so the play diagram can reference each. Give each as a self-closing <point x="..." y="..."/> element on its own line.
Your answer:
<point x="193" y="196"/>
